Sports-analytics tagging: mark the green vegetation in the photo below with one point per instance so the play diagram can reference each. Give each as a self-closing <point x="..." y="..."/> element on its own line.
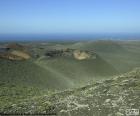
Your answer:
<point x="75" y="71"/>
<point x="122" y="55"/>
<point x="108" y="97"/>
<point x="28" y="73"/>
<point x="61" y="84"/>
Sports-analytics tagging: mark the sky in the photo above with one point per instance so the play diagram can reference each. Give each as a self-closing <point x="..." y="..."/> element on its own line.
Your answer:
<point x="69" y="16"/>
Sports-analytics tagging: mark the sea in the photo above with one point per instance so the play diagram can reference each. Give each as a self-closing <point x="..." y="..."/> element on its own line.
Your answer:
<point x="69" y="37"/>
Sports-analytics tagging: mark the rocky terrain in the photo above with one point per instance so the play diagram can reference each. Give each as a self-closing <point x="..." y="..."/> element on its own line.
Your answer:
<point x="110" y="97"/>
<point x="15" y="52"/>
<point x="74" y="53"/>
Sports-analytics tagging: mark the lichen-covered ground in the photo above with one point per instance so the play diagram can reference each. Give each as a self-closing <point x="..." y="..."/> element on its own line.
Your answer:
<point x="106" y="98"/>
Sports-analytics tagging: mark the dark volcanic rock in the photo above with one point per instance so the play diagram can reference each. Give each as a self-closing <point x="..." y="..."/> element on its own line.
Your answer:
<point x="77" y="54"/>
<point x="15" y="46"/>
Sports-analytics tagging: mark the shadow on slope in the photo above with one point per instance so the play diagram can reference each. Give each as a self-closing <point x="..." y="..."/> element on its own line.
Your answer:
<point x="78" y="72"/>
<point x="123" y="55"/>
<point x="29" y="74"/>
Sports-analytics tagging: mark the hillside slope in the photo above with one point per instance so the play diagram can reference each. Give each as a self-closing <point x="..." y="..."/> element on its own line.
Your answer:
<point x="66" y="67"/>
<point x="106" y="98"/>
<point x="78" y="71"/>
<point x="29" y="74"/>
<point x="123" y="55"/>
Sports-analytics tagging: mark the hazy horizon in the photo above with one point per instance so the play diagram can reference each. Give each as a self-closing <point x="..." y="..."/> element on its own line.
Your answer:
<point x="68" y="17"/>
<point x="69" y="37"/>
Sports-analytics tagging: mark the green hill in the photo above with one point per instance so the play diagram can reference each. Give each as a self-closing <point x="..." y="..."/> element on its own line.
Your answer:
<point x="55" y="81"/>
<point x="76" y="70"/>
<point x="29" y="74"/>
<point x="113" y="57"/>
<point x="66" y="72"/>
<point x="122" y="55"/>
<point x="60" y="66"/>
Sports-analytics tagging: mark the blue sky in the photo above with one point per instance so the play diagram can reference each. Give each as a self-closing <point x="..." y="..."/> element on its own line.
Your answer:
<point x="69" y="16"/>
